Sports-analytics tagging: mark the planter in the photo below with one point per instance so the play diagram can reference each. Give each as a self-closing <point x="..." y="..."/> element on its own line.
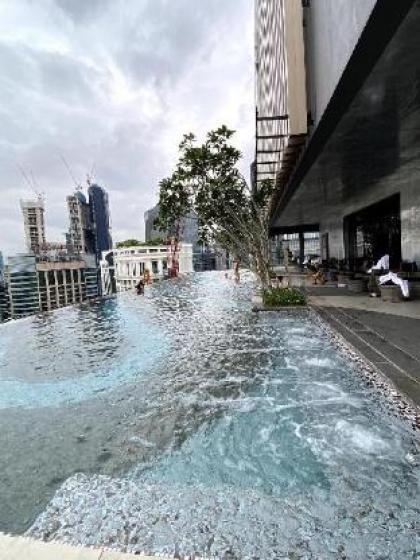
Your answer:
<point x="342" y="279"/>
<point x="297" y="280"/>
<point x="356" y="285"/>
<point x="390" y="294"/>
<point x="415" y="291"/>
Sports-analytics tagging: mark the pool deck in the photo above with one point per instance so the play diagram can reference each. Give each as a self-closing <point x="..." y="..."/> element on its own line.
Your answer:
<point x="385" y="334"/>
<point x="22" y="548"/>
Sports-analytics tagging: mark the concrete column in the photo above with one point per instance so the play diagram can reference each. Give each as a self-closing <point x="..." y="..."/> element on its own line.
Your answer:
<point x="410" y="223"/>
<point x="148" y="265"/>
<point x="57" y="292"/>
<point x="301" y="249"/>
<point x="79" y="281"/>
<point x="65" y="287"/>
<point x="47" y="288"/>
<point x="72" y="287"/>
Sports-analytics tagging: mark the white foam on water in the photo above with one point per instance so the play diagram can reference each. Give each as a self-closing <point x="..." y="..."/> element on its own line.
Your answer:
<point x="360" y="437"/>
<point x="319" y="362"/>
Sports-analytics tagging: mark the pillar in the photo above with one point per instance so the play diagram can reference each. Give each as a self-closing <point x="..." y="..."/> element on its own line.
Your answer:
<point x="65" y="287"/>
<point x="57" y="291"/>
<point x="47" y="289"/>
<point x="301" y="248"/>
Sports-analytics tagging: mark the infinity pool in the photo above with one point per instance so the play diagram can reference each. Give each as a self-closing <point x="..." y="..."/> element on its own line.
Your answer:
<point x="255" y="436"/>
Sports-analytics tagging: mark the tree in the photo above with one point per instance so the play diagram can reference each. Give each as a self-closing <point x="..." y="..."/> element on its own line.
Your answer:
<point x="207" y="182"/>
<point x="137" y="243"/>
<point x="128" y="243"/>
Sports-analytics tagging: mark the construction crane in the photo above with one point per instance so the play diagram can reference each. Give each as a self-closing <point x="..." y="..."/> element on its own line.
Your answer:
<point x="32" y="184"/>
<point x="67" y="166"/>
<point x="90" y="175"/>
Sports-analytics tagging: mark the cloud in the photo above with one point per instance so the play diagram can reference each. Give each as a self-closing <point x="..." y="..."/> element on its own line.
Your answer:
<point x="115" y="83"/>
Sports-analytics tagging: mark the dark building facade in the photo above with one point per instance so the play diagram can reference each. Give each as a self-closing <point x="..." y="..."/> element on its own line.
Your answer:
<point x="100" y="218"/>
<point x="150" y="231"/>
<point x="355" y="178"/>
<point x="4" y="307"/>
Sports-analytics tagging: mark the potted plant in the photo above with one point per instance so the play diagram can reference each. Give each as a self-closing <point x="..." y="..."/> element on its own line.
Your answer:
<point x="283" y="297"/>
<point x="343" y="274"/>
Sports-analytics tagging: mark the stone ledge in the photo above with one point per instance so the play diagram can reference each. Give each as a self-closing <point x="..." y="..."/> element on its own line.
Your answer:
<point x="261" y="307"/>
<point x="23" y="548"/>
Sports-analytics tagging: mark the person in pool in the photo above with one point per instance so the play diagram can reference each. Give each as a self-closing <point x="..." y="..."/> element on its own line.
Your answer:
<point x="140" y="288"/>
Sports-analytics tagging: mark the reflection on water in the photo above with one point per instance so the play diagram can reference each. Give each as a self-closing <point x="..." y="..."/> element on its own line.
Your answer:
<point x="187" y="387"/>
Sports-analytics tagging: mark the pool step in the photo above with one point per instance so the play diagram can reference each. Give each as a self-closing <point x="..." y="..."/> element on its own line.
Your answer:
<point x="24" y="548"/>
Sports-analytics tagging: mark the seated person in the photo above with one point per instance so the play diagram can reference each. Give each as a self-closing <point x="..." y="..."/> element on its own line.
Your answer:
<point x="382" y="264"/>
<point x="313" y="264"/>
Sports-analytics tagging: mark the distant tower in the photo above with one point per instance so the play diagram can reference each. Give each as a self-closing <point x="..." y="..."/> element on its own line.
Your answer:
<point x="80" y="238"/>
<point x="100" y="218"/>
<point x="3" y="292"/>
<point x="149" y="224"/>
<point x="33" y="220"/>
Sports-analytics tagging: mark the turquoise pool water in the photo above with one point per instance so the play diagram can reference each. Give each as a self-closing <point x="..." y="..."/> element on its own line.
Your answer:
<point x="189" y="390"/>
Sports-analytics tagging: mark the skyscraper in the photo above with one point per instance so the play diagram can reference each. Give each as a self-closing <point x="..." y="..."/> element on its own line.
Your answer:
<point x="3" y="292"/>
<point x="100" y="219"/>
<point x="281" y="112"/>
<point x="33" y="220"/>
<point x="151" y="232"/>
<point x="349" y="174"/>
<point x="81" y="235"/>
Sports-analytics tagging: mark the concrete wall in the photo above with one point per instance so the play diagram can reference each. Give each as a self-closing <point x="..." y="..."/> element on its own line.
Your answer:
<point x="331" y="216"/>
<point x="333" y="29"/>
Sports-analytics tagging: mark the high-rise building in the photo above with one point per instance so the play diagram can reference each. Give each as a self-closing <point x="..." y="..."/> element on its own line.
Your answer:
<point x="33" y="220"/>
<point x="80" y="238"/>
<point x="22" y="285"/>
<point x="188" y="227"/>
<point x="100" y="218"/>
<point x="36" y="284"/>
<point x="151" y="231"/>
<point x="338" y="107"/>
<point x="281" y="114"/>
<point x="3" y="292"/>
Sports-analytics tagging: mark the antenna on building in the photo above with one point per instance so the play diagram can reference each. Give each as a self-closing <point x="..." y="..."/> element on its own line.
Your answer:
<point x="67" y="166"/>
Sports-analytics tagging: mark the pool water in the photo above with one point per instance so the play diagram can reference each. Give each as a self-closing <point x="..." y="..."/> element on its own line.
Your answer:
<point x="187" y="389"/>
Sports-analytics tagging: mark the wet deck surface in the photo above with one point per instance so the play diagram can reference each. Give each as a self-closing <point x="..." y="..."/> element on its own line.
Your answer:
<point x="386" y="334"/>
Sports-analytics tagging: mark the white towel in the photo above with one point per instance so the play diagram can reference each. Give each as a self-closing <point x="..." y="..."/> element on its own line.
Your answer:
<point x="392" y="277"/>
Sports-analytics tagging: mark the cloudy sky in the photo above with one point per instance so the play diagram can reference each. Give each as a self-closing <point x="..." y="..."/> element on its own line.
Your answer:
<point x="114" y="84"/>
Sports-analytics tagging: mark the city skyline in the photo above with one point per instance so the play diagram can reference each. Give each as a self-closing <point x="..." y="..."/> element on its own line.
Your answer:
<point x="120" y="101"/>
